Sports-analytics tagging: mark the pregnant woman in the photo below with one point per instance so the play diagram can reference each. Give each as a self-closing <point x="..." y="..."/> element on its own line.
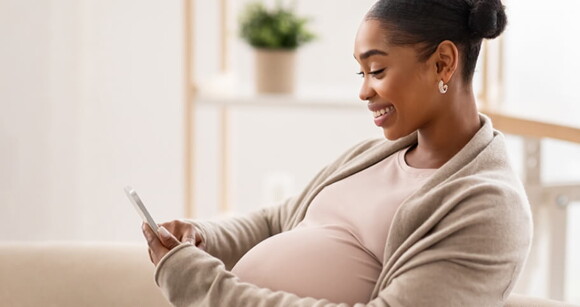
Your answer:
<point x="430" y="215"/>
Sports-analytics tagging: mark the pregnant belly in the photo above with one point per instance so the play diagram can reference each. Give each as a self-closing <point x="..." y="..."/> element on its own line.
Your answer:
<point x="315" y="261"/>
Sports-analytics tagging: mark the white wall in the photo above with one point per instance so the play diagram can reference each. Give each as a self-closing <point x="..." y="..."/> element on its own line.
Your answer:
<point x="91" y="100"/>
<point x="25" y="134"/>
<point x="541" y="59"/>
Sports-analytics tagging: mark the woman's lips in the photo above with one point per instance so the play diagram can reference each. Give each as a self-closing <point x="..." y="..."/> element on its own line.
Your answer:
<point x="382" y="115"/>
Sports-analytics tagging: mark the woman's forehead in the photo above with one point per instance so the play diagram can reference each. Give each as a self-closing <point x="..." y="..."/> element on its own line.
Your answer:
<point x="373" y="38"/>
<point x="370" y="36"/>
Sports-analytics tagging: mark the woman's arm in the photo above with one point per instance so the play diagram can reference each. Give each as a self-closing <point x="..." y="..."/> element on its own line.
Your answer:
<point x="229" y="239"/>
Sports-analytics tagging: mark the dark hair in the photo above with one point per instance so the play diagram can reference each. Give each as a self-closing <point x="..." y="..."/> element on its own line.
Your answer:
<point x="429" y="22"/>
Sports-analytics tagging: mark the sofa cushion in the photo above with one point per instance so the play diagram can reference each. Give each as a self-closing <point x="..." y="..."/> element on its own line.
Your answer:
<point x="77" y="274"/>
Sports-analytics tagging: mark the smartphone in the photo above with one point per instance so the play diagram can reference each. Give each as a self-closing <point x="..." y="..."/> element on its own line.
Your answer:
<point x="141" y="210"/>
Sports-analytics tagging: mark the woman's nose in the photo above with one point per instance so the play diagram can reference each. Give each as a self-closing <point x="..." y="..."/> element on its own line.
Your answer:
<point x="366" y="92"/>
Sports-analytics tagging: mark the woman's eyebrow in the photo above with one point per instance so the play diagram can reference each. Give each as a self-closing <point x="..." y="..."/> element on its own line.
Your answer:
<point x="370" y="53"/>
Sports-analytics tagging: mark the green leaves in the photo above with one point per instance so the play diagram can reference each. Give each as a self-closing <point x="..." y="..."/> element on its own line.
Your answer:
<point x="279" y="28"/>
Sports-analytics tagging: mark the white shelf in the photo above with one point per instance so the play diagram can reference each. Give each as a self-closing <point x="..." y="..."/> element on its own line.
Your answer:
<point x="278" y="100"/>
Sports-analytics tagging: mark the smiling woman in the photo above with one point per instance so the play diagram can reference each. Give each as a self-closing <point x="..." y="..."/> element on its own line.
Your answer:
<point x="409" y="93"/>
<point x="432" y="215"/>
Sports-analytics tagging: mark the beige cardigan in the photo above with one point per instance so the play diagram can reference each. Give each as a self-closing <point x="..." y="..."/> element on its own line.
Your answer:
<point x="460" y="240"/>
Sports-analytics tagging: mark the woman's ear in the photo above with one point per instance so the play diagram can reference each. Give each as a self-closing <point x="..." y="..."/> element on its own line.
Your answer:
<point x="446" y="60"/>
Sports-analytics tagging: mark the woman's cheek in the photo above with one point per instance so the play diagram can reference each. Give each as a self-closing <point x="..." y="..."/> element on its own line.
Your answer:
<point x="386" y="87"/>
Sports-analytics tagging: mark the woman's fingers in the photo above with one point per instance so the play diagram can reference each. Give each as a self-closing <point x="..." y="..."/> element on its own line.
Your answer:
<point x="171" y="226"/>
<point x="170" y="235"/>
<point x="149" y="234"/>
<point x="167" y="239"/>
<point x="184" y="231"/>
<point x="156" y="249"/>
<point x="150" y="255"/>
<point x="189" y="236"/>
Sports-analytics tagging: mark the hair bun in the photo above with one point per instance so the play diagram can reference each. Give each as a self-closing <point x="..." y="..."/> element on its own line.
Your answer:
<point x="487" y="18"/>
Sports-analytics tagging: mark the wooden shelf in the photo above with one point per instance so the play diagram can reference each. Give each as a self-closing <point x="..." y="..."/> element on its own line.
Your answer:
<point x="286" y="101"/>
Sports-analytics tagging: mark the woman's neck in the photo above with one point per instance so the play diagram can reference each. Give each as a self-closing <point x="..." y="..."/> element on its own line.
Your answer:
<point x="447" y="134"/>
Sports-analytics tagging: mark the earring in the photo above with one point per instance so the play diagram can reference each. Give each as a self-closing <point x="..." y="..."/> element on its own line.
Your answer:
<point x="443" y="87"/>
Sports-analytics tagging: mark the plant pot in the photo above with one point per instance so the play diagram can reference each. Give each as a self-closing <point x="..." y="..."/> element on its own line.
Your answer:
<point x="275" y="70"/>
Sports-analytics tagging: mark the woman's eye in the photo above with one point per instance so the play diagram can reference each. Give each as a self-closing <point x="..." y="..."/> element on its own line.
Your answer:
<point x="374" y="72"/>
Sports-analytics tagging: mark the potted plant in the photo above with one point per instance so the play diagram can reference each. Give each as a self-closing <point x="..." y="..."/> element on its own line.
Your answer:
<point x="275" y="35"/>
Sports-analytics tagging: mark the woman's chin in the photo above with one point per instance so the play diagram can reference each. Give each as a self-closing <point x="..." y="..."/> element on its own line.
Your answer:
<point x="390" y="134"/>
<point x="393" y="134"/>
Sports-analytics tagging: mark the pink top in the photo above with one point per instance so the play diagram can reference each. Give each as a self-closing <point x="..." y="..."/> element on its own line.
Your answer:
<point x="342" y="237"/>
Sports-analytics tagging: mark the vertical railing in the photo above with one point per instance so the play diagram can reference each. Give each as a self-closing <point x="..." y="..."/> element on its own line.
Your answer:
<point x="188" y="108"/>
<point x="224" y="190"/>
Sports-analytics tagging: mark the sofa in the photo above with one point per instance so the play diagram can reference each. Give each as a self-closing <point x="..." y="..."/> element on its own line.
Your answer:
<point x="77" y="274"/>
<point x="98" y="274"/>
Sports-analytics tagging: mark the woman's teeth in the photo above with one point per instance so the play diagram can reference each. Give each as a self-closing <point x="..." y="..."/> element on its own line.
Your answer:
<point x="383" y="111"/>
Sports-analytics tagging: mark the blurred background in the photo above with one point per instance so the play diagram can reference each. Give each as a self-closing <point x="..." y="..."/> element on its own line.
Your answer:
<point x="160" y="95"/>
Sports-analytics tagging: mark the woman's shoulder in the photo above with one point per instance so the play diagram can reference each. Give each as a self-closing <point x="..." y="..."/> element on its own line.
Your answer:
<point x="493" y="196"/>
<point x="485" y="184"/>
<point x="490" y="176"/>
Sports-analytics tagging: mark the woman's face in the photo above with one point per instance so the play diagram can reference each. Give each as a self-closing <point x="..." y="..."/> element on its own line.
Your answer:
<point x="395" y="83"/>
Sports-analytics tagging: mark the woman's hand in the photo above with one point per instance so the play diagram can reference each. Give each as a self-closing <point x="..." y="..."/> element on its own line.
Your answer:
<point x="185" y="232"/>
<point x="171" y="234"/>
<point x="159" y="246"/>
